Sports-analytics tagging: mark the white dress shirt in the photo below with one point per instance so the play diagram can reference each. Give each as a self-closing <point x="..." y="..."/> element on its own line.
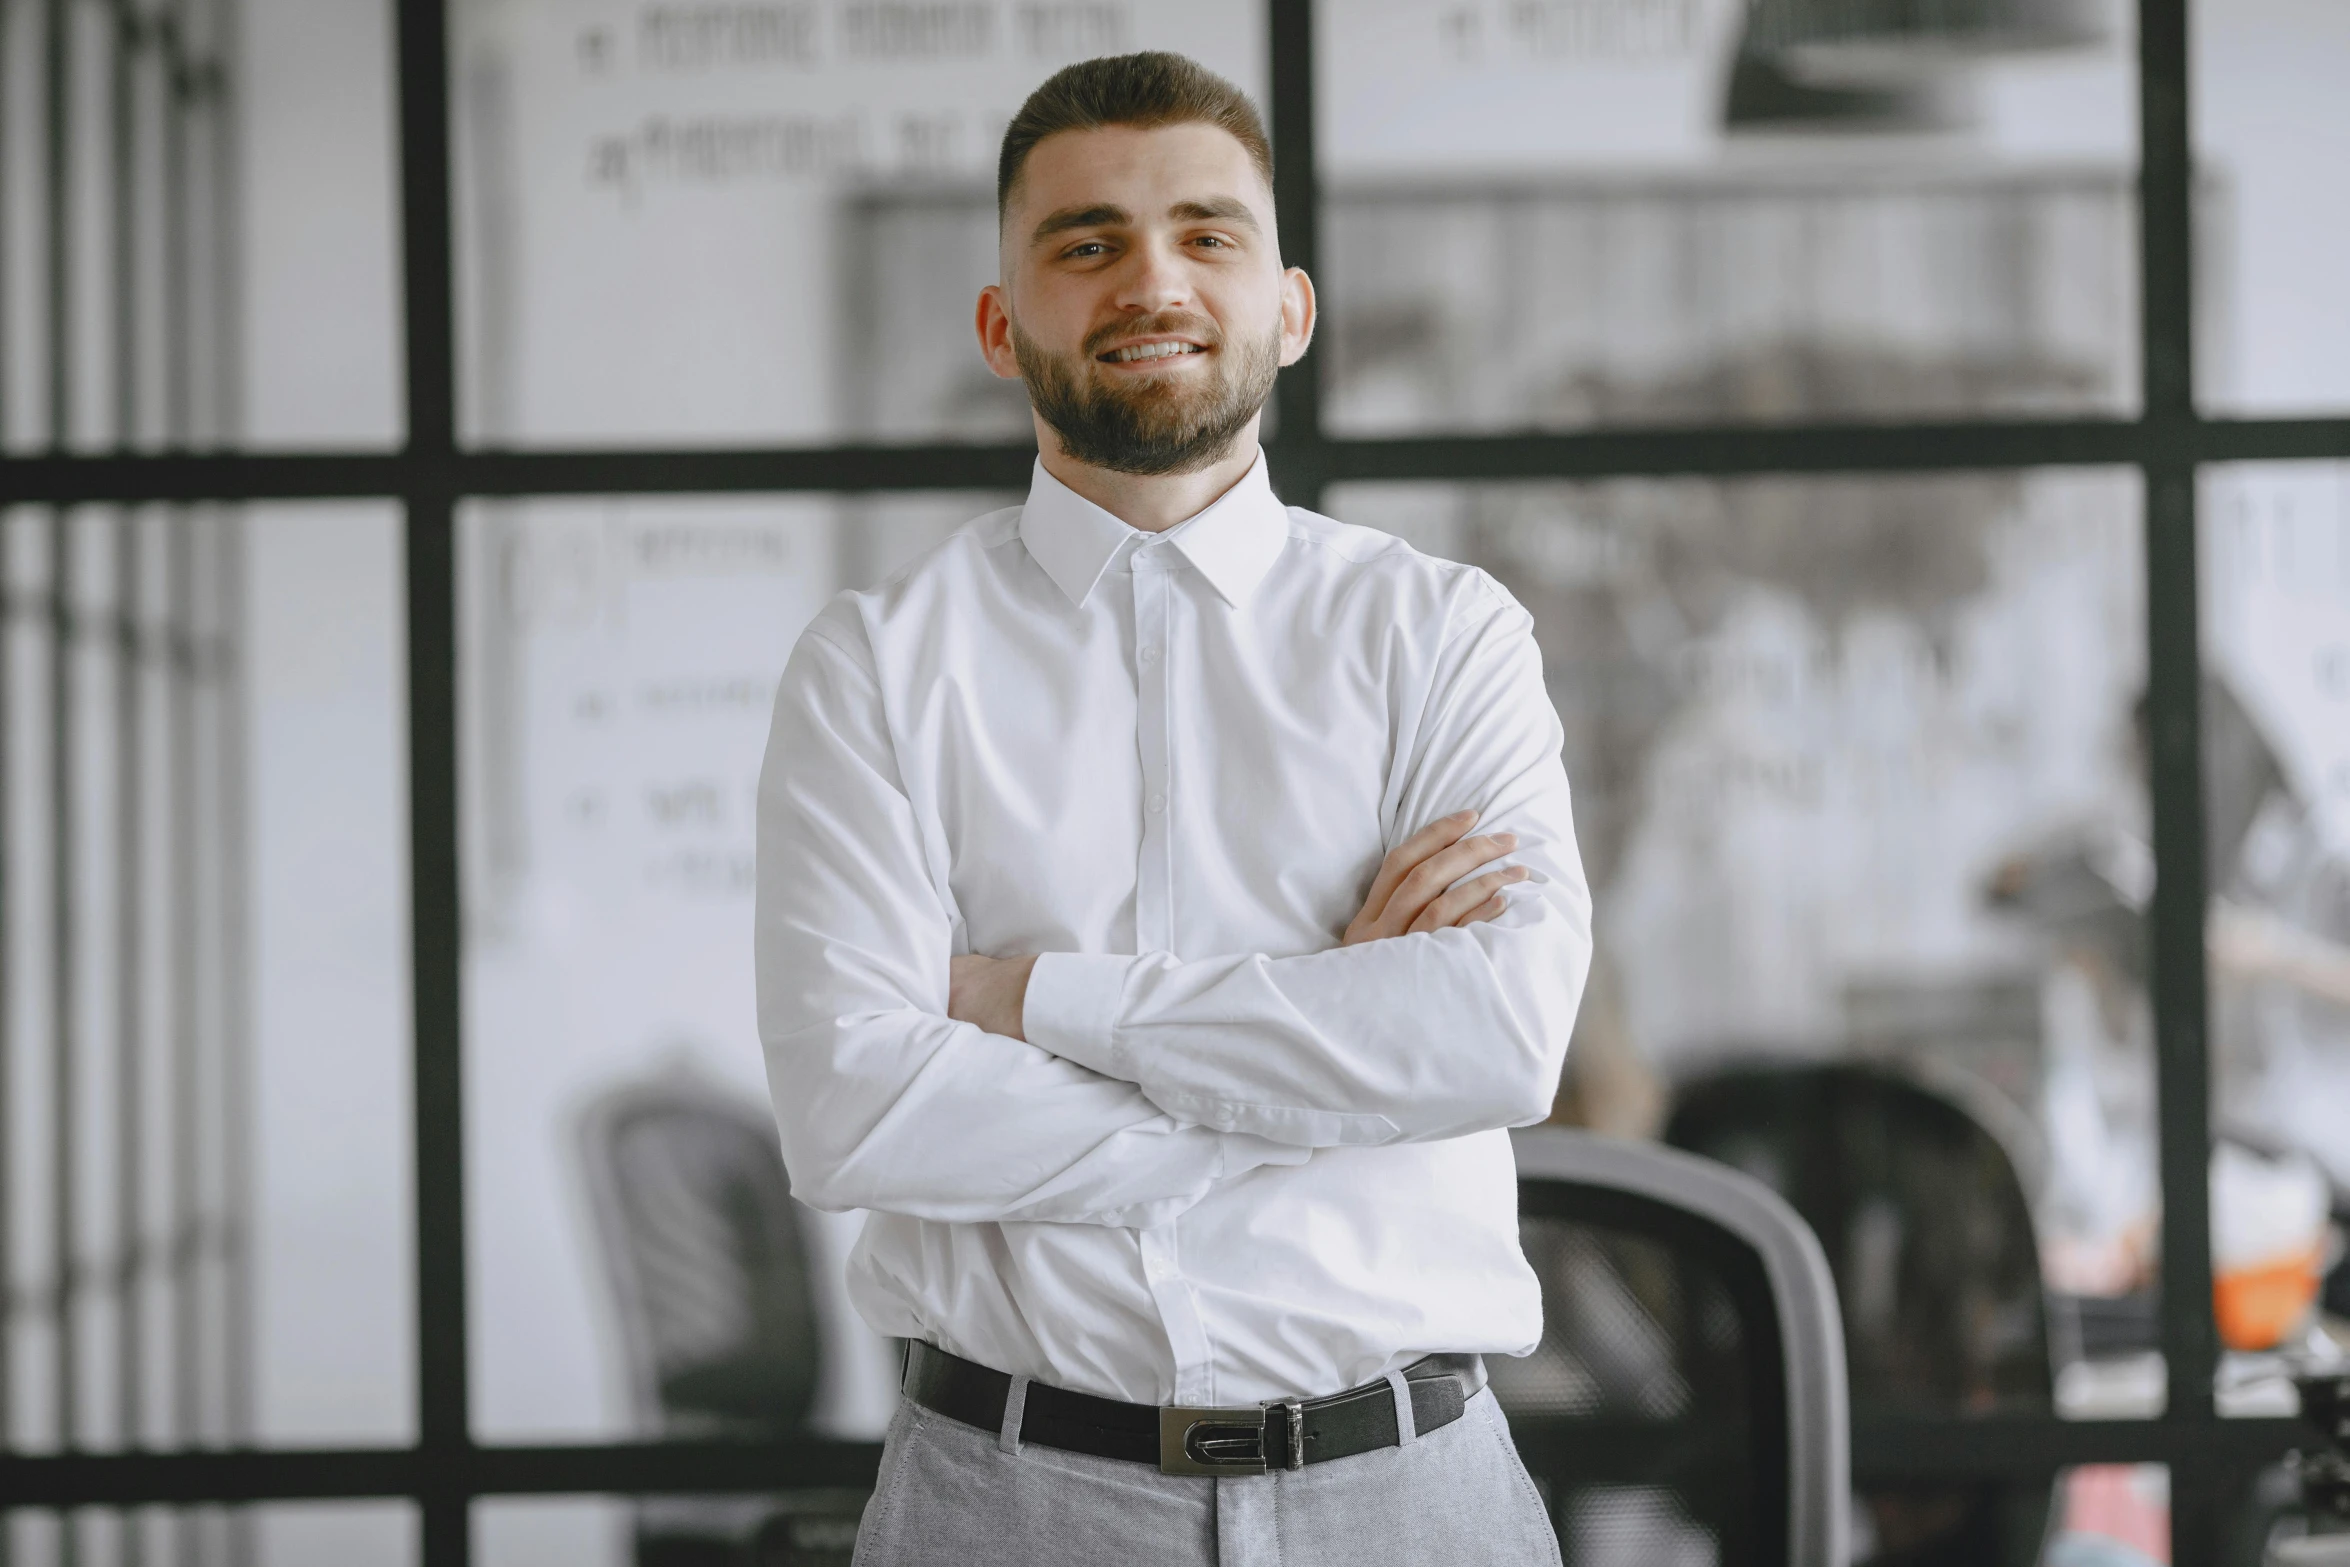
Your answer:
<point x="1233" y="1160"/>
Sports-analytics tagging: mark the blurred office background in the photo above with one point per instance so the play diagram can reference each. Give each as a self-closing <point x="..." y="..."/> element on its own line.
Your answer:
<point x="1861" y="760"/>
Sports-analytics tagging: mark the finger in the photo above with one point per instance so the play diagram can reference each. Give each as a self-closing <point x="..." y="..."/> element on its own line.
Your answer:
<point x="1490" y="909"/>
<point x="1428" y="880"/>
<point x="1405" y="856"/>
<point x="1454" y="907"/>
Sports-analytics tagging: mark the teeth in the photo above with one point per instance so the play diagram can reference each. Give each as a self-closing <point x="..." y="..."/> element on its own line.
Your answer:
<point x="1151" y="351"/>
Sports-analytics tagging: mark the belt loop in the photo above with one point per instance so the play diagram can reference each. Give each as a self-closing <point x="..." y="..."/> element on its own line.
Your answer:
<point x="1407" y="1429"/>
<point x="1015" y="1408"/>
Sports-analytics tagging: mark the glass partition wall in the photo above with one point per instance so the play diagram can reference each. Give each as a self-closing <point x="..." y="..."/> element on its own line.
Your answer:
<point x="426" y="424"/>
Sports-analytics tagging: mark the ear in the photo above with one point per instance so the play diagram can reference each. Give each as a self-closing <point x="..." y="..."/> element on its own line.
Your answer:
<point x="1297" y="314"/>
<point x="995" y="332"/>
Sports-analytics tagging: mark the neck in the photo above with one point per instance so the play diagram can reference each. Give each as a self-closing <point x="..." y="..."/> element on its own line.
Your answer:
<point x="1152" y="502"/>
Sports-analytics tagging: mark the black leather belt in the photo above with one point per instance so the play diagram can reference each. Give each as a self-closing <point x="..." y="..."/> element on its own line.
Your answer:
<point x="1286" y="1433"/>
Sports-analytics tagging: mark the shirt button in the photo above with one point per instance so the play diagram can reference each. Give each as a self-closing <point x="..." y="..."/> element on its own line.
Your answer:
<point x="1159" y="1268"/>
<point x="1155" y="804"/>
<point x="1150" y="655"/>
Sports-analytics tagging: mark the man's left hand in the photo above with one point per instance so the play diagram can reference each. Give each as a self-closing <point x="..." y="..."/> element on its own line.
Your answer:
<point x="991" y="992"/>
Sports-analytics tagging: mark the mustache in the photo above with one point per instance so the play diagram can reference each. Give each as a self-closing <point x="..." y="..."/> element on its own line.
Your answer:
<point x="1170" y="323"/>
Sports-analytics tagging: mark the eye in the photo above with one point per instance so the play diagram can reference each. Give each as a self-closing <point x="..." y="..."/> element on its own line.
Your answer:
<point x="1086" y="250"/>
<point x="1217" y="240"/>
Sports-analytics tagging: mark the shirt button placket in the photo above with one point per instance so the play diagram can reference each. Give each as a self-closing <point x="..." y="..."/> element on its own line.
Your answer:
<point x="1187" y="1336"/>
<point x="1153" y="926"/>
<point x="1153" y="929"/>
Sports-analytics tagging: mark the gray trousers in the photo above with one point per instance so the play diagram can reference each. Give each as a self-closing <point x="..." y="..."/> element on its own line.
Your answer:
<point x="951" y="1495"/>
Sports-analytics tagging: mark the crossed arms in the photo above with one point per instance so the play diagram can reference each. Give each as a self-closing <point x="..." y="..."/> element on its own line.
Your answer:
<point x="1112" y="1089"/>
<point x="1423" y="884"/>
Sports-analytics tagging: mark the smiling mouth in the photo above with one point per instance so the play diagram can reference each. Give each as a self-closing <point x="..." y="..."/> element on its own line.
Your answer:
<point x="1137" y="352"/>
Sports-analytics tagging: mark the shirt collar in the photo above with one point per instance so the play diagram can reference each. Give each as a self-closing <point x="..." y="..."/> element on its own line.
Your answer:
<point x="1232" y="543"/>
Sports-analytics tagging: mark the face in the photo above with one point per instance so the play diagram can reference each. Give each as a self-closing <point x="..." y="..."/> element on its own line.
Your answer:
<point x="1144" y="303"/>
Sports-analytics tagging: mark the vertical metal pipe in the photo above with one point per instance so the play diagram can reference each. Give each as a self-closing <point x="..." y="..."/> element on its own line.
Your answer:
<point x="178" y="371"/>
<point x="7" y="296"/>
<point x="234" y="1059"/>
<point x="56" y="105"/>
<point x="186" y="1080"/>
<point x="2173" y="683"/>
<point x="186" y="1045"/>
<point x="236" y="1056"/>
<point x="64" y="1145"/>
<point x="229" y="1263"/>
<point x="130" y="1012"/>
<point x="1301" y="465"/>
<point x="2166" y="196"/>
<point x="2173" y="686"/>
<point x="437" y="953"/>
<point x="8" y="1294"/>
<point x="57" y="282"/>
<point x="122" y="171"/>
<point x="178" y="430"/>
<point x="129" y="1021"/>
<point x="2201" y="1495"/>
<point x="430" y="336"/>
<point x="436" y="950"/>
<point x="228" y="302"/>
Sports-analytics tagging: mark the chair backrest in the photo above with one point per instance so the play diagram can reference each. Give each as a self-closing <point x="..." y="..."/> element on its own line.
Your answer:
<point x="702" y="1243"/>
<point x="1922" y="1216"/>
<point x="1686" y="1403"/>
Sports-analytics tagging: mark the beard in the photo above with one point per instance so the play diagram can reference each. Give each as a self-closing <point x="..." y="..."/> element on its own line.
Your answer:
<point x="1161" y="424"/>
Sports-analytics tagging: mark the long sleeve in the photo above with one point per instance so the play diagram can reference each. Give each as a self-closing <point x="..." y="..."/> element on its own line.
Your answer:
<point x="1423" y="1036"/>
<point x="883" y="1101"/>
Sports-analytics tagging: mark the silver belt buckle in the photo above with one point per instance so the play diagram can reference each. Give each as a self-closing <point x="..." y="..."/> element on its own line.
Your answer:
<point x="1226" y="1441"/>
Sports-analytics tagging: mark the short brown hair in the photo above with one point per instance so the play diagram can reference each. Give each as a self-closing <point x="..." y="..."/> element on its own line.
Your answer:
<point x="1146" y="90"/>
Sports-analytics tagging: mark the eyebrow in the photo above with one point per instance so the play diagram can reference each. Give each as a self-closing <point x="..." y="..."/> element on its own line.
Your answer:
<point x="1100" y="215"/>
<point x="1216" y="209"/>
<point x="1212" y="209"/>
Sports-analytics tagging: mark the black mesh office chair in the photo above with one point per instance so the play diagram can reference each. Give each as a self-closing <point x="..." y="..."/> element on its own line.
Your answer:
<point x="1927" y="1229"/>
<point x="1685" y="1407"/>
<point x="709" y="1270"/>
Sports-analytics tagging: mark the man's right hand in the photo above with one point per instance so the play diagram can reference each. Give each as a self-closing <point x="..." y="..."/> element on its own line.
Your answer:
<point x="1409" y="892"/>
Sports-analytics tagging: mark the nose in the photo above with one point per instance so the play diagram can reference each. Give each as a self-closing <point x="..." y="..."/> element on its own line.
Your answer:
<point x="1155" y="280"/>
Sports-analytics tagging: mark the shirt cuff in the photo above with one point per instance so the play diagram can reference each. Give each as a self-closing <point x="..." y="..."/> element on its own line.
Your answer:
<point x="1072" y="1007"/>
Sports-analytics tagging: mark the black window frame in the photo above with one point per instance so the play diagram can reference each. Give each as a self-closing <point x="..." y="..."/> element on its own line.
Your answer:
<point x="2168" y="442"/>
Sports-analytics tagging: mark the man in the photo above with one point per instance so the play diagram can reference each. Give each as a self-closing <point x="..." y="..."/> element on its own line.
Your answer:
<point x="1166" y="898"/>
